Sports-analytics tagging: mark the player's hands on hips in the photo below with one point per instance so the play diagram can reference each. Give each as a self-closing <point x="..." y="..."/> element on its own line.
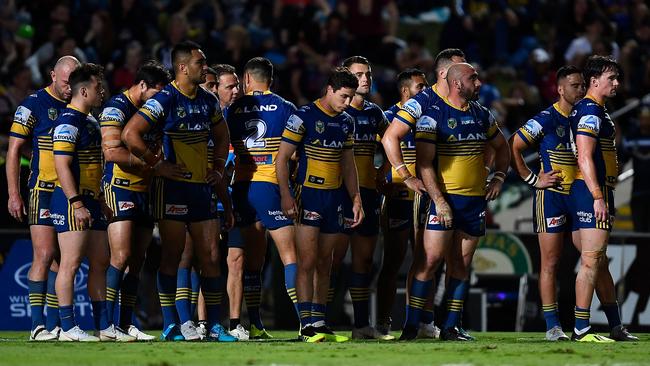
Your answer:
<point x="493" y="189"/>
<point x="16" y="207"/>
<point x="169" y="170"/>
<point x="443" y="211"/>
<point x="551" y="179"/>
<point x="289" y="207"/>
<point x="82" y="217"/>
<point x="357" y="212"/>
<point x="600" y="210"/>
<point x="415" y="184"/>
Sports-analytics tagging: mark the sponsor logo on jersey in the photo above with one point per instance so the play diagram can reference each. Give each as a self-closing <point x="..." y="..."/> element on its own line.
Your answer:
<point x="125" y="205"/>
<point x="171" y="209"/>
<point x="555" y="221"/>
<point x="154" y="107"/>
<point x="468" y="137"/>
<point x="433" y="220"/>
<point x="310" y="215"/>
<point x="363" y="120"/>
<point x="451" y="122"/>
<point x="65" y="133"/>
<point x="44" y="213"/>
<point x="320" y="126"/>
<point x="46" y="185"/>
<point x="112" y="114"/>
<point x="586" y="217"/>
<point x="277" y="215"/>
<point x="121" y="182"/>
<point x="180" y="112"/>
<point x="294" y="124"/>
<point x="316" y="180"/>
<point x="560" y="131"/>
<point x="52" y="113"/>
<point x="467" y="120"/>
<point x="22" y="115"/>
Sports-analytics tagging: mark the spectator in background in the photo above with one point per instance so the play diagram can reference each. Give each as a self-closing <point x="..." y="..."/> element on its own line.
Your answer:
<point x="124" y="76"/>
<point x="236" y="48"/>
<point x="11" y="96"/>
<point x="415" y="55"/>
<point x="598" y="35"/>
<point x="176" y="32"/>
<point x="635" y="59"/>
<point x="98" y="41"/>
<point x="636" y="146"/>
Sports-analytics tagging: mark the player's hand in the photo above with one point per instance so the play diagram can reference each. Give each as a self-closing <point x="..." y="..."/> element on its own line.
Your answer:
<point x="415" y="184"/>
<point x="289" y="207"/>
<point x="169" y="170"/>
<point x="443" y="211"/>
<point x="82" y="218"/>
<point x="229" y="218"/>
<point x="493" y="189"/>
<point x="600" y="210"/>
<point x="17" y="207"/>
<point x="213" y="177"/>
<point x="551" y="179"/>
<point x="357" y="212"/>
<point x="108" y="213"/>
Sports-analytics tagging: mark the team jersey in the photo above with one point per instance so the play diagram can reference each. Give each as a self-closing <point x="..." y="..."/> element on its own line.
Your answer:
<point x="550" y="129"/>
<point x="35" y="117"/>
<point x="186" y="122"/>
<point x="460" y="137"/>
<point x="321" y="138"/>
<point x="78" y="135"/>
<point x="407" y="145"/>
<point x="589" y="118"/>
<point x="369" y="122"/>
<point x="413" y="108"/>
<point x="256" y="122"/>
<point x="116" y="113"/>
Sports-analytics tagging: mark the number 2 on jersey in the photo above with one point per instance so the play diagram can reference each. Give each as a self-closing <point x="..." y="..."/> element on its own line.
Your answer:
<point x="254" y="139"/>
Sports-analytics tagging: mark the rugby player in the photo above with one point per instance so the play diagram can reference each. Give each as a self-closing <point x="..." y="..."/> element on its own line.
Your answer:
<point x="34" y="120"/>
<point x="323" y="135"/>
<point x="184" y="198"/>
<point x="592" y="197"/>
<point x="455" y="134"/>
<point x="126" y="192"/>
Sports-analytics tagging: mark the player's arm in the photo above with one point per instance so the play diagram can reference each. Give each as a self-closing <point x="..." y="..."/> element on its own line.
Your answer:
<point x="15" y="204"/>
<point x="501" y="163"/>
<point x="221" y="138"/>
<point x="586" y="146"/>
<point x="285" y="153"/>
<point x="545" y="180"/>
<point x="115" y="151"/>
<point x="351" y="181"/>
<point x="395" y="132"/>
<point x="425" y="154"/>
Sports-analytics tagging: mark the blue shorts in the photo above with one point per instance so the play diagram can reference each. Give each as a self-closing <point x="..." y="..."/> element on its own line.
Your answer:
<point x="421" y="209"/>
<point x="322" y="208"/>
<point x="552" y="212"/>
<point x="583" y="206"/>
<point x="232" y="238"/>
<point x="183" y="201"/>
<point x="38" y="207"/>
<point x="258" y="201"/>
<point x="468" y="212"/>
<point x="63" y="217"/>
<point x="397" y="215"/>
<point x="128" y="205"/>
<point x="370" y="200"/>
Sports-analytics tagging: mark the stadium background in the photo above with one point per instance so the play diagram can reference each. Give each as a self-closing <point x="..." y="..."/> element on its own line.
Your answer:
<point x="517" y="44"/>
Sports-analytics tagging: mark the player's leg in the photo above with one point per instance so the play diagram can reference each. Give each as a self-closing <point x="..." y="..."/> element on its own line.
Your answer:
<point x="427" y="328"/>
<point x="172" y="236"/>
<point x="285" y="242"/>
<point x="120" y="239"/>
<point x="40" y="279"/>
<point x="255" y="253"/>
<point x="184" y="281"/>
<point x="307" y="254"/>
<point x="550" y="247"/>
<point x="394" y="247"/>
<point x="234" y="286"/>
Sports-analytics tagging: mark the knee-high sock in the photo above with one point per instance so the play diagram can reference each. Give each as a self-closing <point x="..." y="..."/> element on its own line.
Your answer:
<point x="613" y="314"/>
<point x="551" y="315"/>
<point x="67" y="317"/>
<point x="417" y="299"/>
<point x="253" y="296"/>
<point x="183" y="291"/>
<point x="113" y="284"/>
<point x="52" y="319"/>
<point x="455" y="295"/>
<point x="128" y="298"/>
<point x="213" y="294"/>
<point x="100" y="314"/>
<point x="582" y="319"/>
<point x="37" y="291"/>
<point x="360" y="293"/>
<point x="290" y="284"/>
<point x="167" y="295"/>
<point x="196" y="287"/>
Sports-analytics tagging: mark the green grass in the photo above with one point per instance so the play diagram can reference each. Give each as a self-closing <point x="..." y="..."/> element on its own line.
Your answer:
<point x="490" y="349"/>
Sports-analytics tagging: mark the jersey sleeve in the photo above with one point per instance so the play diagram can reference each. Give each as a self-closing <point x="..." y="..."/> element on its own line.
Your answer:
<point x="294" y="130"/>
<point x="426" y="130"/>
<point x="589" y="125"/>
<point x="24" y="121"/>
<point x="348" y="128"/>
<point x="112" y="116"/>
<point x="493" y="126"/>
<point x="64" y="139"/>
<point x="155" y="108"/>
<point x="412" y="110"/>
<point x="531" y="132"/>
<point x="382" y="124"/>
<point x="217" y="114"/>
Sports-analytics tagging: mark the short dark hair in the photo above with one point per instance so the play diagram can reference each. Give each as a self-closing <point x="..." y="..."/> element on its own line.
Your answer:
<point x="260" y="68"/>
<point x="152" y="73"/>
<point x="223" y="69"/>
<point x="182" y="50"/>
<point x="355" y="60"/>
<point x="211" y="71"/>
<point x="83" y="74"/>
<point x="404" y="77"/>
<point x="341" y="77"/>
<point x="565" y="71"/>
<point x="597" y="65"/>
<point x="443" y="58"/>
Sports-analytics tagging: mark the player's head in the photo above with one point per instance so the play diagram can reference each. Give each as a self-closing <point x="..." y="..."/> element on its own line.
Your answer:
<point x="257" y="71"/>
<point x="360" y="67"/>
<point x="210" y="83"/>
<point x="151" y="78"/>
<point x="60" y="75"/>
<point x="601" y="75"/>
<point x="341" y="86"/>
<point x="228" y="89"/>
<point x="87" y="84"/>
<point x="570" y="84"/>
<point x="446" y="58"/>
<point x="410" y="82"/>
<point x="463" y="80"/>
<point x="189" y="62"/>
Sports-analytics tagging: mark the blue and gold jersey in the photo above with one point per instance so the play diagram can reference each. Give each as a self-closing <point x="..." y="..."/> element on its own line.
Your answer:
<point x="116" y="113"/>
<point x="589" y="118"/>
<point x="256" y="122"/>
<point x="413" y="109"/>
<point x="77" y="134"/>
<point x="321" y="138"/>
<point x="460" y="137"/>
<point x="550" y="129"/>
<point x="35" y="118"/>
<point x="407" y="145"/>
<point x="369" y="123"/>
<point x="185" y="121"/>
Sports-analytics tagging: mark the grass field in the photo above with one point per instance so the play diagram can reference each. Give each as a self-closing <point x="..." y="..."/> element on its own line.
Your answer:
<point x="490" y="349"/>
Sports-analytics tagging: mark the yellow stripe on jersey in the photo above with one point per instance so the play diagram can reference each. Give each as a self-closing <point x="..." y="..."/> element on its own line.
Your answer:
<point x="462" y="174"/>
<point x="256" y="164"/>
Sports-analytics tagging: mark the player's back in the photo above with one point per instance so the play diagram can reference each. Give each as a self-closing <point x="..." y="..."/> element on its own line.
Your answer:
<point x="256" y="122"/>
<point x="369" y="122"/>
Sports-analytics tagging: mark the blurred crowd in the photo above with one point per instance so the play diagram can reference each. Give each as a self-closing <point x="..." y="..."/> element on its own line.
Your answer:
<point x="517" y="44"/>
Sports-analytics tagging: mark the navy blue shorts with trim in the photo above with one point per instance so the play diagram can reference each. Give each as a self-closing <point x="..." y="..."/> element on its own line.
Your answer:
<point x="258" y="201"/>
<point x="552" y="212"/>
<point x="322" y="208"/>
<point x="370" y="200"/>
<point x="468" y="212"/>
<point x="62" y="213"/>
<point x="583" y="206"/>
<point x="183" y="201"/>
<point x="128" y="205"/>
<point x="38" y="207"/>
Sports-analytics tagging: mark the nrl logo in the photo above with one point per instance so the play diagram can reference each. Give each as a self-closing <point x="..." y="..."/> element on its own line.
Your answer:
<point x="560" y="131"/>
<point x="52" y="113"/>
<point x="320" y="127"/>
<point x="180" y="112"/>
<point x="452" y="123"/>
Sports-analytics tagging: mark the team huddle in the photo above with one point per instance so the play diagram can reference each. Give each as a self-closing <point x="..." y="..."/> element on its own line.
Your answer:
<point x="209" y="165"/>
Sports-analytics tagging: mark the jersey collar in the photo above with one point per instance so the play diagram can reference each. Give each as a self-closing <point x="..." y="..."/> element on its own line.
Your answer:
<point x="180" y="91"/>
<point x="320" y="106"/>
<point x="49" y="91"/>
<point x="595" y="100"/>
<point x="556" y="105"/>
<point x="257" y="92"/>
<point x="128" y="96"/>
